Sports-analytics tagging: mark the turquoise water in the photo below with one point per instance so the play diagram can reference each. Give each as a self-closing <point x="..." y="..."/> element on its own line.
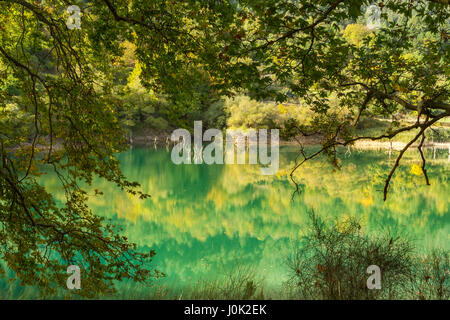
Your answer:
<point x="206" y="220"/>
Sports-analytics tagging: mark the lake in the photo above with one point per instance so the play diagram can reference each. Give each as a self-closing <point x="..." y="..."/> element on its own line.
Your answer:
<point x="204" y="221"/>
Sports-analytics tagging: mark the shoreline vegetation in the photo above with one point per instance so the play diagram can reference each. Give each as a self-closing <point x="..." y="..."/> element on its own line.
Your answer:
<point x="150" y="139"/>
<point x="163" y="140"/>
<point x="158" y="139"/>
<point x="328" y="262"/>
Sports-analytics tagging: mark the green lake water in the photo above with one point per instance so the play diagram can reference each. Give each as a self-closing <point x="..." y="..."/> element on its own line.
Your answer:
<point x="207" y="220"/>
